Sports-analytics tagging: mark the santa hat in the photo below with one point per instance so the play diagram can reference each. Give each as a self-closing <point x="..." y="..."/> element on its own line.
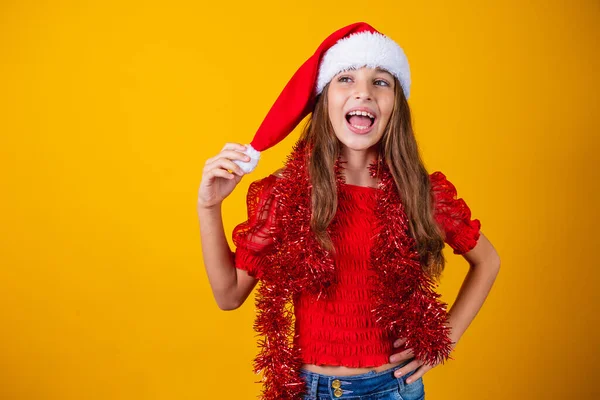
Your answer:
<point x="353" y="46"/>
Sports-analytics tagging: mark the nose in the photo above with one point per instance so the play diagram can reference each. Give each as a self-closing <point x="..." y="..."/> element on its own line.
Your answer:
<point x="363" y="90"/>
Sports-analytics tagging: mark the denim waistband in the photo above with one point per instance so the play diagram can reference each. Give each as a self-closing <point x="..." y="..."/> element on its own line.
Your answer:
<point x="355" y="385"/>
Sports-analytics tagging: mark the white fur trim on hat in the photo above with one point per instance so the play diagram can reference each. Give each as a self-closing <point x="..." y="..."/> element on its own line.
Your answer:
<point x="364" y="49"/>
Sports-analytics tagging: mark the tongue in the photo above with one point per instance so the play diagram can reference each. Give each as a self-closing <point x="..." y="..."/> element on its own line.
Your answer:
<point x="360" y="120"/>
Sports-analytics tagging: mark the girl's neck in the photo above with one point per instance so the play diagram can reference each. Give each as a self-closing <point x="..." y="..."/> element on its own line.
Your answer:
<point x="355" y="166"/>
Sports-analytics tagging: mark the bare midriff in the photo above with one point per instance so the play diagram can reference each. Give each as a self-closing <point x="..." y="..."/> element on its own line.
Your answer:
<point x="346" y="371"/>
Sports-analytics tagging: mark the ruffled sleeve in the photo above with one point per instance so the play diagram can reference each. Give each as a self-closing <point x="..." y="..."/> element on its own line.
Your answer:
<point x="453" y="215"/>
<point x="253" y="238"/>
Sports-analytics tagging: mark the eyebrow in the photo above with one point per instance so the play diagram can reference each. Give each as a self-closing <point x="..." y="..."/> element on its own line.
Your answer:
<point x="382" y="70"/>
<point x="378" y="69"/>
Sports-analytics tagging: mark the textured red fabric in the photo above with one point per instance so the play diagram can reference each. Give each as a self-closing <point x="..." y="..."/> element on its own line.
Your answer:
<point x="254" y="237"/>
<point x="341" y="330"/>
<point x="453" y="215"/>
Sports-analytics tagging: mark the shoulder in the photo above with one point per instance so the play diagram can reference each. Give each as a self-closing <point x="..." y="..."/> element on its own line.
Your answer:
<point x="441" y="188"/>
<point x="261" y="189"/>
<point x="453" y="214"/>
<point x="439" y="181"/>
<point x="279" y="173"/>
<point x="269" y="181"/>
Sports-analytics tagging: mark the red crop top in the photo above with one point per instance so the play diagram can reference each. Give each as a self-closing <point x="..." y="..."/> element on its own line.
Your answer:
<point x="341" y="330"/>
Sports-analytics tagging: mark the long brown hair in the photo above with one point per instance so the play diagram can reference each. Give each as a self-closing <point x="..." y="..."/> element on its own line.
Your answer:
<point x="399" y="150"/>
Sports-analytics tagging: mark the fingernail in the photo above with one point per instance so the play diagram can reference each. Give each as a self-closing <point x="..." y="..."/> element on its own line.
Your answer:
<point x="398" y="374"/>
<point x="408" y="380"/>
<point x="247" y="158"/>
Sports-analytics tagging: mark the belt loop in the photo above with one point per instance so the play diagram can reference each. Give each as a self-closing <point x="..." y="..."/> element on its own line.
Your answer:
<point x="314" y="384"/>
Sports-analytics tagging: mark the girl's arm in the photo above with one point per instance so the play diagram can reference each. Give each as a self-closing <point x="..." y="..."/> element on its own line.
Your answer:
<point x="484" y="265"/>
<point x="463" y="234"/>
<point x="230" y="286"/>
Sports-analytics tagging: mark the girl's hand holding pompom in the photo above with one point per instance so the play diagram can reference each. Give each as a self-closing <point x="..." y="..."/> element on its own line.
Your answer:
<point x="217" y="180"/>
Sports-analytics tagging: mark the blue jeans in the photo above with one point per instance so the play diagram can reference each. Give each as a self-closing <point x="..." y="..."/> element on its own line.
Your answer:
<point x="369" y="386"/>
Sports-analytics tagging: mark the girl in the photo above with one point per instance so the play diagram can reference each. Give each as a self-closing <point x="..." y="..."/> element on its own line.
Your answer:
<point x="346" y="239"/>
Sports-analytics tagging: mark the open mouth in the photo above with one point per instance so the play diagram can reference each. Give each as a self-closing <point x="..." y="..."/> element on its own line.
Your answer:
<point x="360" y="120"/>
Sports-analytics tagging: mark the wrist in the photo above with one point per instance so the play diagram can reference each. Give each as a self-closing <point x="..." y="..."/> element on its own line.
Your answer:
<point x="208" y="209"/>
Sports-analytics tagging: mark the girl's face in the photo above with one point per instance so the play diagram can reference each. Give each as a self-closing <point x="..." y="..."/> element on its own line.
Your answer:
<point x="351" y="94"/>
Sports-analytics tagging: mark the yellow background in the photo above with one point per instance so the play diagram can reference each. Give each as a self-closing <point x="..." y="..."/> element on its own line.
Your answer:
<point x="109" y="109"/>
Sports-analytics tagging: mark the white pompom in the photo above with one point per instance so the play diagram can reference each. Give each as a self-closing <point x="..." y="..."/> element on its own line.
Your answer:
<point x="248" y="166"/>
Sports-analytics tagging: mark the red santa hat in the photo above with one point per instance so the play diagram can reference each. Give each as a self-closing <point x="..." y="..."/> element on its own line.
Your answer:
<point x="353" y="46"/>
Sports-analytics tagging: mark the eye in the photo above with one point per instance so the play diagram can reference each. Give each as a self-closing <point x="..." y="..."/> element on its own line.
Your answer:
<point x="384" y="82"/>
<point x="341" y="78"/>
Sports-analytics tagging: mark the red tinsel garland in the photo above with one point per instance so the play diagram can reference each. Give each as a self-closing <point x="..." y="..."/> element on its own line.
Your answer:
<point x="406" y="301"/>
